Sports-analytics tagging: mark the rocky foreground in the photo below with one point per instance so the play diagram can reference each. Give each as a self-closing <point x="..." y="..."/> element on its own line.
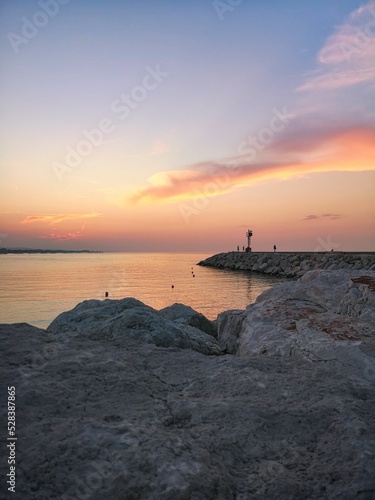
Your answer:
<point x="117" y="400"/>
<point x="291" y="264"/>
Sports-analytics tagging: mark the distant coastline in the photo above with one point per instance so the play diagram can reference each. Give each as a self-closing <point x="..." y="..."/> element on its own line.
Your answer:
<point x="39" y="250"/>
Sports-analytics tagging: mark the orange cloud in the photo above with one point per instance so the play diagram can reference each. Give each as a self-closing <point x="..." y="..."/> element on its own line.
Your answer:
<point x="342" y="150"/>
<point x="57" y="218"/>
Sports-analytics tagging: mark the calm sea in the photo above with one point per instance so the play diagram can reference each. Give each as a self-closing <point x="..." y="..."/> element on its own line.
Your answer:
<point x="36" y="288"/>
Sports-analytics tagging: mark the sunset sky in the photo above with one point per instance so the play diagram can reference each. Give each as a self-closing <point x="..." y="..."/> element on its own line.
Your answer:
<point x="176" y="125"/>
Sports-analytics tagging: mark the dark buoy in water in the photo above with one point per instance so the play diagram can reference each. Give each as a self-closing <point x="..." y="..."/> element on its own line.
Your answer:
<point x="172" y="286"/>
<point x="106" y="294"/>
<point x="193" y="275"/>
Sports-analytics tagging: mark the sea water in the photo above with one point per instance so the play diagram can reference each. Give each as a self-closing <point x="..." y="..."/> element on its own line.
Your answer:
<point x="35" y="288"/>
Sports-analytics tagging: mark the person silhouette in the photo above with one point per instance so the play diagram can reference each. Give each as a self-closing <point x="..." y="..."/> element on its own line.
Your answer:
<point x="274" y="248"/>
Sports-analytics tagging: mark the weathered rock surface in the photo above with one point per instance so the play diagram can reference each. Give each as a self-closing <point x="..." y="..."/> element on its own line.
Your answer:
<point x="185" y="315"/>
<point x="101" y="418"/>
<point x="325" y="315"/>
<point x="290" y="265"/>
<point x="130" y="318"/>
<point x="108" y="414"/>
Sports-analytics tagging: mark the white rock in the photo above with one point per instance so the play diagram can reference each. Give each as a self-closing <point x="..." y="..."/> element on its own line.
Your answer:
<point x="325" y="315"/>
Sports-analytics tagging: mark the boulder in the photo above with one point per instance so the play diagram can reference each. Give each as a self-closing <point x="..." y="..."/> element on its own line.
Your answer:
<point x="230" y="325"/>
<point x="130" y="319"/>
<point x="185" y="315"/>
<point x="324" y="316"/>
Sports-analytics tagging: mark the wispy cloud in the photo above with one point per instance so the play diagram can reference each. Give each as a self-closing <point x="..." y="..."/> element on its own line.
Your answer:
<point x="348" y="56"/>
<point x="67" y="236"/>
<point x="58" y="218"/>
<point x="323" y="216"/>
<point x="187" y="183"/>
<point x="338" y="150"/>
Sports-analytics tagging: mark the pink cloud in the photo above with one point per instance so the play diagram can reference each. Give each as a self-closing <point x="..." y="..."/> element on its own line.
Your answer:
<point x="350" y="149"/>
<point x="57" y="218"/>
<point x="348" y="56"/>
<point x="208" y="176"/>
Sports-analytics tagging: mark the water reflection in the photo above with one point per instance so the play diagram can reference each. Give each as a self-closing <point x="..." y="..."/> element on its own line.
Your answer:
<point x="36" y="288"/>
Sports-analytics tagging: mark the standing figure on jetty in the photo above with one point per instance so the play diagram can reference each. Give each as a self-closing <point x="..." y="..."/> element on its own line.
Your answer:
<point x="274" y="248"/>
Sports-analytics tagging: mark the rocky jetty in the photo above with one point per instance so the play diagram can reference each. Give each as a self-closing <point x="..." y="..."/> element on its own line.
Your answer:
<point x="290" y="265"/>
<point x="118" y="400"/>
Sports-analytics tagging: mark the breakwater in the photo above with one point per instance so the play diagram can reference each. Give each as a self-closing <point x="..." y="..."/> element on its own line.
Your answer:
<point x="290" y="264"/>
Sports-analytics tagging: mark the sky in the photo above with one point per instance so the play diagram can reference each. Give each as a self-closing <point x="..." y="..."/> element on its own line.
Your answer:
<point x="177" y="125"/>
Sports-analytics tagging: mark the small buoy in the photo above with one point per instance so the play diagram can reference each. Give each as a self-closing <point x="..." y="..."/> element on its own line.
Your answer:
<point x="106" y="294"/>
<point x="172" y="286"/>
<point x="193" y="275"/>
